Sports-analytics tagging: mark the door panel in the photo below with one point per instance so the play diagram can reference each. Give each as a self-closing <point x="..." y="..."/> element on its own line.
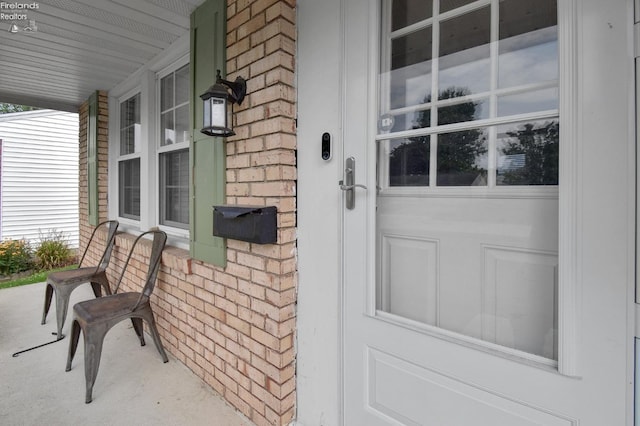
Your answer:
<point x="483" y="268"/>
<point x="409" y="394"/>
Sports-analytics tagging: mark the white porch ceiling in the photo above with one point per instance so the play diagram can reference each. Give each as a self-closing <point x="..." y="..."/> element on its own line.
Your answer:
<point x="81" y="46"/>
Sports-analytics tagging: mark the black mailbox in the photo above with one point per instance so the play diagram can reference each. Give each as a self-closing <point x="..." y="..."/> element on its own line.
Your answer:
<point x="255" y="224"/>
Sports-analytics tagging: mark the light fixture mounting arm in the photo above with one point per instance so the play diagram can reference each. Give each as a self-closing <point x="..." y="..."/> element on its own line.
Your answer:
<point x="238" y="87"/>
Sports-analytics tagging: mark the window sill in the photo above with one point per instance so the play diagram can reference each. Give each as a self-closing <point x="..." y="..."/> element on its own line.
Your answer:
<point x="175" y="258"/>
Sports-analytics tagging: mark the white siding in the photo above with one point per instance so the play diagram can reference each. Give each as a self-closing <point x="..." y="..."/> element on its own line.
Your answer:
<point x="39" y="174"/>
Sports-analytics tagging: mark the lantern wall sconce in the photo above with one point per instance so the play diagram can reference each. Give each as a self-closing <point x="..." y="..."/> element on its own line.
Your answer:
<point x="218" y="105"/>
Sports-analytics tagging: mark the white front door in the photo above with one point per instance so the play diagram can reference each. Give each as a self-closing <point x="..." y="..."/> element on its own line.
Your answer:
<point x="488" y="249"/>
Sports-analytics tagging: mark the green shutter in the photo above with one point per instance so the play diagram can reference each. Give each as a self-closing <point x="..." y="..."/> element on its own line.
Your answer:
<point x="207" y="154"/>
<point x="92" y="158"/>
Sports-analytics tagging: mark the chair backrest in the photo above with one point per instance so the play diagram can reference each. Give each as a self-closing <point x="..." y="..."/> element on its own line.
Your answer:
<point x="110" y="226"/>
<point x="157" y="245"/>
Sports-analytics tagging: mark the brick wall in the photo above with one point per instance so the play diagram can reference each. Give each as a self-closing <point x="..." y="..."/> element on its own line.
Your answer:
<point x="234" y="327"/>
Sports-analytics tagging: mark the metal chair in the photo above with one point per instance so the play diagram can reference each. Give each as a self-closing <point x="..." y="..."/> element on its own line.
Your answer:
<point x="64" y="282"/>
<point x="96" y="317"/>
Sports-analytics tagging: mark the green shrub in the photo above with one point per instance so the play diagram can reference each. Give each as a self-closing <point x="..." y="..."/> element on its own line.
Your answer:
<point x="53" y="251"/>
<point x="15" y="256"/>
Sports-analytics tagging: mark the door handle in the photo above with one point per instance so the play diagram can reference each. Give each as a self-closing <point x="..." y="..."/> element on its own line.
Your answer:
<point x="348" y="185"/>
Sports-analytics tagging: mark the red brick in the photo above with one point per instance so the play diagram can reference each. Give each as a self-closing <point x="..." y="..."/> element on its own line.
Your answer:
<point x="280" y="9"/>
<point x="238" y="19"/>
<point x="260" y="5"/>
<point x="238" y="324"/>
<point x="240" y="404"/>
<point x="255" y="348"/>
<point x="227" y="382"/>
<point x="254" y="374"/>
<point x="255" y="24"/>
<point x="254" y="402"/>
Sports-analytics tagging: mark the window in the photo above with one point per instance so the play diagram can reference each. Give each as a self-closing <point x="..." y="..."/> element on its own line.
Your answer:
<point x="129" y="159"/>
<point x="151" y="169"/>
<point x="469" y="94"/>
<point x="173" y="153"/>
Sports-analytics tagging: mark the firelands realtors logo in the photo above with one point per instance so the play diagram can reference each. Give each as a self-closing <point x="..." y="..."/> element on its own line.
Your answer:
<point x="16" y="15"/>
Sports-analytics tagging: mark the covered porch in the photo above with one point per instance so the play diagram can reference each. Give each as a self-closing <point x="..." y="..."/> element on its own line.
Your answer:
<point x="226" y="311"/>
<point x="133" y="385"/>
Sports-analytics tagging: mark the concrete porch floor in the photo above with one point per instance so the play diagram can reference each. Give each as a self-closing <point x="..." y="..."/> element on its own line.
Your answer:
<point x="133" y="387"/>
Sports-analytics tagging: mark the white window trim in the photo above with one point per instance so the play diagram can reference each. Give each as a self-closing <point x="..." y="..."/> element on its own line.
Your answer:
<point x="116" y="157"/>
<point x="158" y="149"/>
<point x="144" y="81"/>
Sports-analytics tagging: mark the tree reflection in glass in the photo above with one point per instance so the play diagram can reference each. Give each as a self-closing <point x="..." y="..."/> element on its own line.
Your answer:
<point x="528" y="153"/>
<point x="461" y="156"/>
<point x="409" y="161"/>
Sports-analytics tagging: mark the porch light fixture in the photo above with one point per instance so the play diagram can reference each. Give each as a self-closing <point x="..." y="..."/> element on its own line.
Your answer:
<point x="218" y="106"/>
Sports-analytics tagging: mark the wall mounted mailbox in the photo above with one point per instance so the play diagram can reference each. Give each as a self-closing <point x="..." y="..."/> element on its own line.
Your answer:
<point x="255" y="224"/>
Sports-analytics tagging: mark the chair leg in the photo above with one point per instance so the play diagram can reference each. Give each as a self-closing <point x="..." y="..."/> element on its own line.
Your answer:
<point x="62" y="305"/>
<point x="104" y="282"/>
<point x="93" y="339"/>
<point x="101" y="284"/>
<point x="47" y="302"/>
<point x="156" y="336"/>
<point x="73" y="343"/>
<point x="137" y="326"/>
<point x="97" y="289"/>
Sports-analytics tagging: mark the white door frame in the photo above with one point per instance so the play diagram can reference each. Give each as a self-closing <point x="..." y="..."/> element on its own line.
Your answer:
<point x="319" y="307"/>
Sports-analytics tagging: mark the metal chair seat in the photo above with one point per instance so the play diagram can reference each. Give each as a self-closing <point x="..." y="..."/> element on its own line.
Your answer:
<point x="111" y="309"/>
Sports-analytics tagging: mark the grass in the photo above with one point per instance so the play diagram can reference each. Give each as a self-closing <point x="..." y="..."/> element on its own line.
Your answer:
<point x="37" y="277"/>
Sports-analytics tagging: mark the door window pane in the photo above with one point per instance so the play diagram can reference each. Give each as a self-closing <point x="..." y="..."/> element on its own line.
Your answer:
<point x="447" y="5"/>
<point x="409" y="161"/>
<point x="419" y="119"/>
<point x="528" y="102"/>
<point x="407" y="12"/>
<point x="528" y="153"/>
<point x="463" y="111"/>
<point x="462" y="158"/>
<point x="464" y="52"/>
<point x="410" y="76"/>
<point x="526" y="17"/>
<point x="528" y="56"/>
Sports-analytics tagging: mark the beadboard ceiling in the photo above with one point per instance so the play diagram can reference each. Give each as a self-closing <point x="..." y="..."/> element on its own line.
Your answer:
<point x="80" y="46"/>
